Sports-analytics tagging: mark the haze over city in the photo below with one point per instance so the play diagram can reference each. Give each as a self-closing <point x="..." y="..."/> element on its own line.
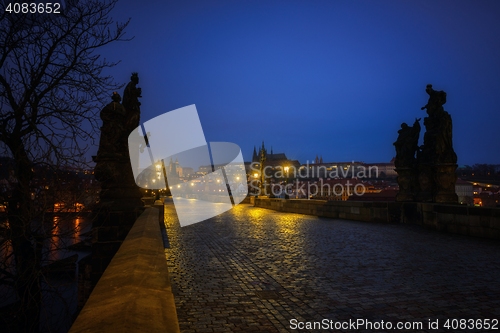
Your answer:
<point x="335" y="79"/>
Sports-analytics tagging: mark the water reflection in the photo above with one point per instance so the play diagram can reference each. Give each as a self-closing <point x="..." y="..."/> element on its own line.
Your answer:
<point x="63" y="233"/>
<point x="5" y="247"/>
<point x="59" y="288"/>
<point x="6" y="266"/>
<point x="60" y="234"/>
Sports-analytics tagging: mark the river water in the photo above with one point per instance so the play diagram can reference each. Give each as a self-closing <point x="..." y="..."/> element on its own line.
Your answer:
<point x="59" y="288"/>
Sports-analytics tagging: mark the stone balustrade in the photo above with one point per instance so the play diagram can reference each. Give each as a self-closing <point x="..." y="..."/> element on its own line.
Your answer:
<point x="465" y="220"/>
<point x="134" y="293"/>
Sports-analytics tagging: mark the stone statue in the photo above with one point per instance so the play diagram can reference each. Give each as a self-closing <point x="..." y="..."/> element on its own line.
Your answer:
<point x="113" y="168"/>
<point x="438" y="159"/>
<point x="131" y="96"/>
<point x="407" y="145"/>
<point x="436" y="100"/>
<point x="113" y="118"/>
<point x="438" y="143"/>
<point x="119" y="198"/>
<point x="430" y="177"/>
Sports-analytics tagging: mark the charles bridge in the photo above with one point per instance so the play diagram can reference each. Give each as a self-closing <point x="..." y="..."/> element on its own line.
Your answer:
<point x="419" y="264"/>
<point x="253" y="269"/>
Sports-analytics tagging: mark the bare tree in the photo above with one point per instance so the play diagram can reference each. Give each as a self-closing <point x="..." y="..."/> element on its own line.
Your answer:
<point x="51" y="88"/>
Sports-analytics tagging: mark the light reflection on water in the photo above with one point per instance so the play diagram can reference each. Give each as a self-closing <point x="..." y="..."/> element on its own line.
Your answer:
<point x="64" y="233"/>
<point x="59" y="291"/>
<point x="60" y="233"/>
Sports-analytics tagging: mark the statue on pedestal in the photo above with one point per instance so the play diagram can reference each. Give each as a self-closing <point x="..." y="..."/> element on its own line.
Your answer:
<point x="113" y="118"/>
<point x="438" y="143"/>
<point x="407" y="145"/>
<point x="405" y="162"/>
<point x="438" y="158"/>
<point x="119" y="199"/>
<point x="112" y="168"/>
<point x="434" y="168"/>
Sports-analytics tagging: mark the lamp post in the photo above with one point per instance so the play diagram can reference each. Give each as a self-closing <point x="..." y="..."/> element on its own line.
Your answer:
<point x="158" y="168"/>
<point x="256" y="177"/>
<point x="286" y="181"/>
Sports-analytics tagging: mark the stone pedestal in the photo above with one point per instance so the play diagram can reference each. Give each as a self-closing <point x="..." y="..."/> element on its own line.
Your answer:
<point x="426" y="183"/>
<point x="120" y="198"/>
<point x="406" y="182"/>
<point x="109" y="229"/>
<point x="433" y="177"/>
<point x="119" y="206"/>
<point x="445" y="178"/>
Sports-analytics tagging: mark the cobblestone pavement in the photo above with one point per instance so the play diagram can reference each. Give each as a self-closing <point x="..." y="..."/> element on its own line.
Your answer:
<point x="256" y="270"/>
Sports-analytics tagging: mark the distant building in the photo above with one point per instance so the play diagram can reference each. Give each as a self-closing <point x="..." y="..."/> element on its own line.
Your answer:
<point x="486" y="195"/>
<point x="465" y="192"/>
<point x="187" y="171"/>
<point x="385" y="170"/>
<point x="272" y="159"/>
<point x="173" y="168"/>
<point x="317" y="168"/>
<point x="382" y="195"/>
<point x="487" y="199"/>
<point x="350" y="169"/>
<point x="275" y="163"/>
<point x="336" y="189"/>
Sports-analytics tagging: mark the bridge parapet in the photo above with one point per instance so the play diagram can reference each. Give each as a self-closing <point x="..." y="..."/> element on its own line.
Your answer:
<point x="472" y="221"/>
<point x="134" y="293"/>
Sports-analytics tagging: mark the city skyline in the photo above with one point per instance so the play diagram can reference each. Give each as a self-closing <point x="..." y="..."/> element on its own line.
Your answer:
<point x="335" y="79"/>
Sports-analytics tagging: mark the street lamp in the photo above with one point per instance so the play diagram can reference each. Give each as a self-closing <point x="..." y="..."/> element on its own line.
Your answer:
<point x="286" y="181"/>
<point x="255" y="176"/>
<point x="158" y="170"/>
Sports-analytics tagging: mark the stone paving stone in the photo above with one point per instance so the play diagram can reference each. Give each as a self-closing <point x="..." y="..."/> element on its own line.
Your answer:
<point x="253" y="270"/>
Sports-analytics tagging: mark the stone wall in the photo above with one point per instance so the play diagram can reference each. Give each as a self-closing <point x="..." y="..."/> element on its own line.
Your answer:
<point x="134" y="293"/>
<point x="109" y="229"/>
<point x="465" y="220"/>
<point x="359" y="211"/>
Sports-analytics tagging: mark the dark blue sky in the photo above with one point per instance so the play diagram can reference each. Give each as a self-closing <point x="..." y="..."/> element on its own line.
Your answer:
<point x="333" y="78"/>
